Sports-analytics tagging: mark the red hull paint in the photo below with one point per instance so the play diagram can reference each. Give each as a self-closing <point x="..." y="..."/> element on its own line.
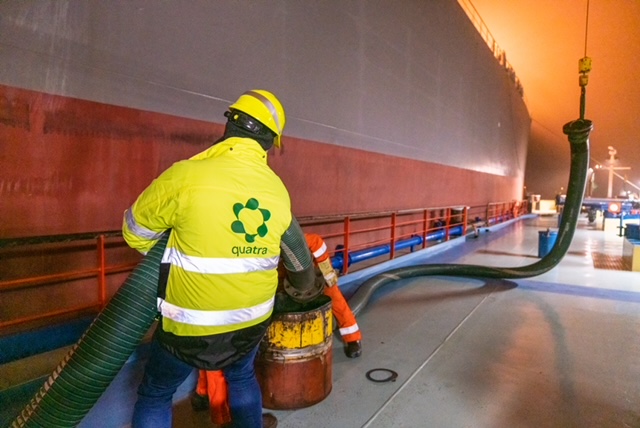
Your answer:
<point x="71" y="166"/>
<point x="328" y="179"/>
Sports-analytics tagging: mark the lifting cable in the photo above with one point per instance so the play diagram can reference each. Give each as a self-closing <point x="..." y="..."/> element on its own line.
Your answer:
<point x="577" y="132"/>
<point x="85" y="373"/>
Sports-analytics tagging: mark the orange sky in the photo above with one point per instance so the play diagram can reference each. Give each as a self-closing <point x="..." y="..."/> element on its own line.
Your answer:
<point x="543" y="40"/>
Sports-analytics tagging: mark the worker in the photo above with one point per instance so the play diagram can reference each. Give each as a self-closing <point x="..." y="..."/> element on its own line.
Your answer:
<point x="348" y="327"/>
<point x="229" y="219"/>
<point x="211" y="392"/>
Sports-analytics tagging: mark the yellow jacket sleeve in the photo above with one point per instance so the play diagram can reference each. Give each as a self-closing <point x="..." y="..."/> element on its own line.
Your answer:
<point x="153" y="212"/>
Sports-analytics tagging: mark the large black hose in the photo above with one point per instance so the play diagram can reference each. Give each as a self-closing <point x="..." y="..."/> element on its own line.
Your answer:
<point x="578" y="135"/>
<point x="86" y="372"/>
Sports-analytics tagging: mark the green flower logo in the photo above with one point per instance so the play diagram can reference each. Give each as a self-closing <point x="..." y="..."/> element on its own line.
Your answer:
<point x="250" y="220"/>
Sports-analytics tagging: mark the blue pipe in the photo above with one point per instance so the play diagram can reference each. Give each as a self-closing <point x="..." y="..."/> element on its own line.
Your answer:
<point x="369" y="253"/>
<point x="578" y="133"/>
<point x="498" y="219"/>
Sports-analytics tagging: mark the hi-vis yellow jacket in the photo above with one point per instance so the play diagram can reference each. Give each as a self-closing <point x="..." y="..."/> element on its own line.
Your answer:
<point x="227" y="211"/>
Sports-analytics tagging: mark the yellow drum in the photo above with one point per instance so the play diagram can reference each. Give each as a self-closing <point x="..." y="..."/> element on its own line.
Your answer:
<point x="294" y="363"/>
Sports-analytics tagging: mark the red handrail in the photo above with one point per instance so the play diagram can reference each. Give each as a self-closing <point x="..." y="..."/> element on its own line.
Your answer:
<point x="358" y="231"/>
<point x="100" y="272"/>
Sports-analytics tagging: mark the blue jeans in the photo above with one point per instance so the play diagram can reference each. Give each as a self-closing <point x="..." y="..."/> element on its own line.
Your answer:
<point x="164" y="373"/>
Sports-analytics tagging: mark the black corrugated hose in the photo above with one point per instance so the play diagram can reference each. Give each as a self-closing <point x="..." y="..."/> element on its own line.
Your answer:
<point x="86" y="372"/>
<point x="578" y="135"/>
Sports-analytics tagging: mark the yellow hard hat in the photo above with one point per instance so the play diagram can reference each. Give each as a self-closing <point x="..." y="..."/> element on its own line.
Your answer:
<point x="265" y="107"/>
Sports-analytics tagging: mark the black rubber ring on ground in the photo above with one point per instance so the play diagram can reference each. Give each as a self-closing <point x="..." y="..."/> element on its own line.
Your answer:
<point x="391" y="378"/>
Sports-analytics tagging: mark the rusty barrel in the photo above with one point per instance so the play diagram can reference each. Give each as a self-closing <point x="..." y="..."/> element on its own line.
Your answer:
<point x="294" y="363"/>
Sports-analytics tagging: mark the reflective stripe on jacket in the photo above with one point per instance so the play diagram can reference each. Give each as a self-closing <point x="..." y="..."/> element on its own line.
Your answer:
<point x="319" y="251"/>
<point x="227" y="211"/>
<point x="349" y="329"/>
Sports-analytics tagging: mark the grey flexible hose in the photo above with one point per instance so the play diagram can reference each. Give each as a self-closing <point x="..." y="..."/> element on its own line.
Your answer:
<point x="578" y="135"/>
<point x="300" y="283"/>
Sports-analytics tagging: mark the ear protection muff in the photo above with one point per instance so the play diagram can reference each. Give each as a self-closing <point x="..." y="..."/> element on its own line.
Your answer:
<point x="247" y="122"/>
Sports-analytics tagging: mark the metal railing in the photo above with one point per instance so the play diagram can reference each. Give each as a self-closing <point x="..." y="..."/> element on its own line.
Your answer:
<point x="99" y="242"/>
<point x="370" y="230"/>
<point x="345" y="234"/>
<point x="498" y="53"/>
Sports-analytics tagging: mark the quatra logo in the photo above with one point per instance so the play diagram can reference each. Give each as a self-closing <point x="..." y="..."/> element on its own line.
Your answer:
<point x="251" y="220"/>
